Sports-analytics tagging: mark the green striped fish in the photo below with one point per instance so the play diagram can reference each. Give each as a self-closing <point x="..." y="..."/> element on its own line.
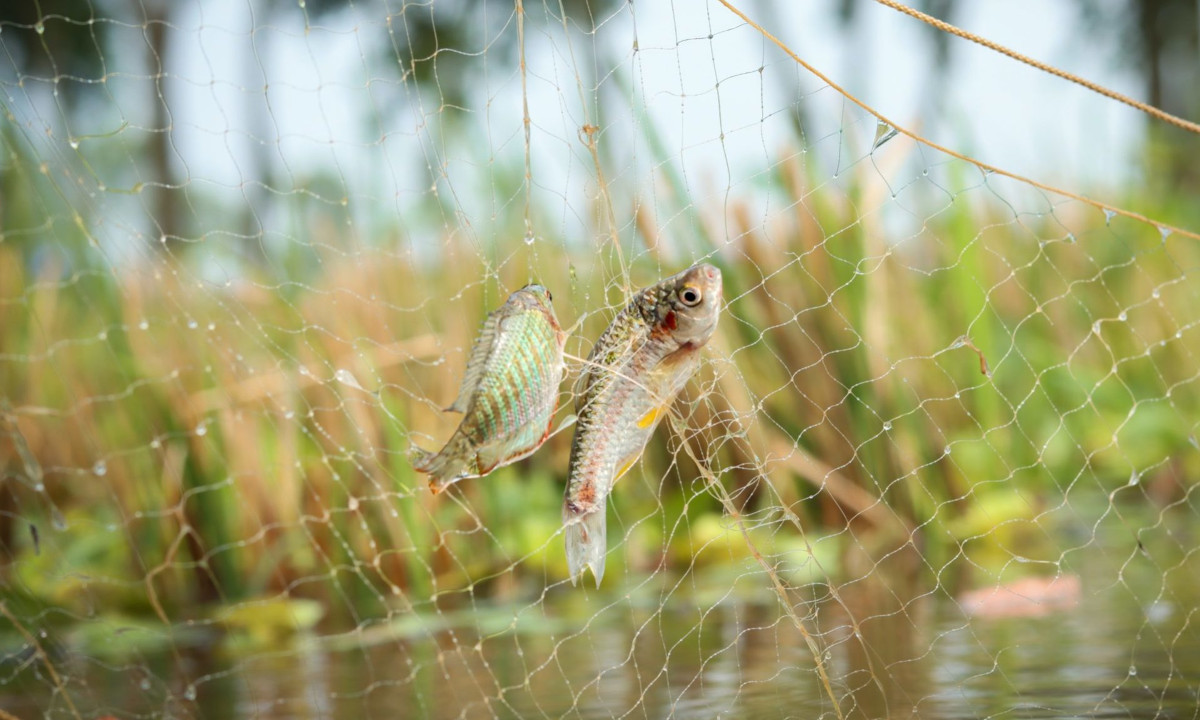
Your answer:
<point x="509" y="392"/>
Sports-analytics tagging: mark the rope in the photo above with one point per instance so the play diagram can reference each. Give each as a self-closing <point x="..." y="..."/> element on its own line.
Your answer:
<point x="1111" y="94"/>
<point x="943" y="149"/>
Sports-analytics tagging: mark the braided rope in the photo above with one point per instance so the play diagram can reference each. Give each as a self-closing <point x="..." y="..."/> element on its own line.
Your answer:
<point x="943" y="149"/>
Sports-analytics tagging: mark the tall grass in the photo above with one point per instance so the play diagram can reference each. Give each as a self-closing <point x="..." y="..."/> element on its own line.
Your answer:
<point x="207" y="443"/>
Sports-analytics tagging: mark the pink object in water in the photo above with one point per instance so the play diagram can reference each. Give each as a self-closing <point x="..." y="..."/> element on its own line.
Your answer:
<point x="1027" y="597"/>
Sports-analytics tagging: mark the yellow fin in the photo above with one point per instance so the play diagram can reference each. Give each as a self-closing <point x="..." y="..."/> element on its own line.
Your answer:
<point x="649" y="418"/>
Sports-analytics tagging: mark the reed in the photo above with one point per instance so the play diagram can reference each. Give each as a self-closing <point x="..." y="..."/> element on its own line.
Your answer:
<point x="207" y="443"/>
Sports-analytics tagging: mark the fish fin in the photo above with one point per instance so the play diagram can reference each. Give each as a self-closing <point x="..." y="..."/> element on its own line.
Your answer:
<point x="453" y="463"/>
<point x="626" y="466"/>
<point x="567" y="422"/>
<point x="421" y="459"/>
<point x="651" y="417"/>
<point x="480" y="352"/>
<point x="490" y="457"/>
<point x="585" y="538"/>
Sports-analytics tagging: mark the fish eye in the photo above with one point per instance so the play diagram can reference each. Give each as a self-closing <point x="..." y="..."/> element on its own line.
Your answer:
<point x="690" y="296"/>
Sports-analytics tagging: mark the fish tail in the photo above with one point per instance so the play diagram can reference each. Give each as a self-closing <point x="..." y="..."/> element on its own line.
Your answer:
<point x="585" y="536"/>
<point x="453" y="463"/>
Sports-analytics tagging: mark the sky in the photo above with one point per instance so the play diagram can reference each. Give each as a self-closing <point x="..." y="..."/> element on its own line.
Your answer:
<point x="682" y="86"/>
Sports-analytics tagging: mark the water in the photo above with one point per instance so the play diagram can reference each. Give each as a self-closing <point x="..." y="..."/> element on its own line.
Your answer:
<point x="1125" y="644"/>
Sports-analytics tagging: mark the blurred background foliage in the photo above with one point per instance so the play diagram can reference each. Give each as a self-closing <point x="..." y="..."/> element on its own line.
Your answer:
<point x="167" y="452"/>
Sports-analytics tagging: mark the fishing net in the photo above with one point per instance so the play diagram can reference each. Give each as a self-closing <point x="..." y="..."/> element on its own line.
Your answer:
<point x="940" y="459"/>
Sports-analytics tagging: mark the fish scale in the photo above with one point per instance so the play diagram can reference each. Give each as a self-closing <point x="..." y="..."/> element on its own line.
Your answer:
<point x="509" y="391"/>
<point x="635" y="370"/>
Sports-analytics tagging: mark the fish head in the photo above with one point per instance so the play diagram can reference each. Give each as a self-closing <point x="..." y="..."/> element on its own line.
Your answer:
<point x="533" y="297"/>
<point x="686" y="306"/>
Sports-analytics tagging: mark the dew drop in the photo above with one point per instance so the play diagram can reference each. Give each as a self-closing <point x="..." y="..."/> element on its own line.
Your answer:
<point x="143" y="325"/>
<point x="192" y="324"/>
<point x="57" y="521"/>
<point x="346" y="377"/>
<point x="190" y="693"/>
<point x="156" y="443"/>
<point x="289" y="415"/>
<point x="73" y="143"/>
<point x="1123" y="316"/>
<point x="39" y="28"/>
<point x="1070" y="237"/>
<point x="212" y="326"/>
<point x="201" y="429"/>
<point x="1156" y="294"/>
<point x="353" y="504"/>
<point x="887" y="425"/>
<point x="529" y="238"/>
<point x="1132" y="670"/>
<point x="144" y="684"/>
<point x="100" y="468"/>
<point x="883" y="133"/>
<point x="1164" y="232"/>
<point x="1108" y="216"/>
<point x="1134" y="478"/>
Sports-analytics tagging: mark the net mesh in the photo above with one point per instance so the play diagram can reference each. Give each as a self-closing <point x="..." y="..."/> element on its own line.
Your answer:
<point x="939" y="461"/>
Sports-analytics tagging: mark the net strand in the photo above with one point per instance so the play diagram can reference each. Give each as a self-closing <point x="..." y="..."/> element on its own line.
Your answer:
<point x="946" y="27"/>
<point x="913" y="135"/>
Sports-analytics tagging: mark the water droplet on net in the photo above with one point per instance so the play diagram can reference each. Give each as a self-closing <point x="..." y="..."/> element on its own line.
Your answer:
<point x="73" y="143"/>
<point x="1108" y="216"/>
<point x="192" y="324"/>
<point x="352" y="504"/>
<point x="1156" y="294"/>
<point x="39" y="28"/>
<point x="529" y="238"/>
<point x="883" y="133"/>
<point x="1164" y="232"/>
<point x="57" y="521"/>
<point x="201" y="429"/>
<point x="887" y="425"/>
<point x="190" y="693"/>
<point x="143" y="325"/>
<point x="346" y="377"/>
<point x="1123" y="317"/>
<point x="100" y="468"/>
<point x="1132" y="670"/>
<point x="144" y="684"/>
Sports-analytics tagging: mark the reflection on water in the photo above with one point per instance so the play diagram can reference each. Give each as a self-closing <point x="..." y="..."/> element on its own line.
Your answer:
<point x="899" y="644"/>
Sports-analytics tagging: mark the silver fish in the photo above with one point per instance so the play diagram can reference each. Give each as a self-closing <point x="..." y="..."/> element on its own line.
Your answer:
<point x="637" y="367"/>
<point x="509" y="392"/>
